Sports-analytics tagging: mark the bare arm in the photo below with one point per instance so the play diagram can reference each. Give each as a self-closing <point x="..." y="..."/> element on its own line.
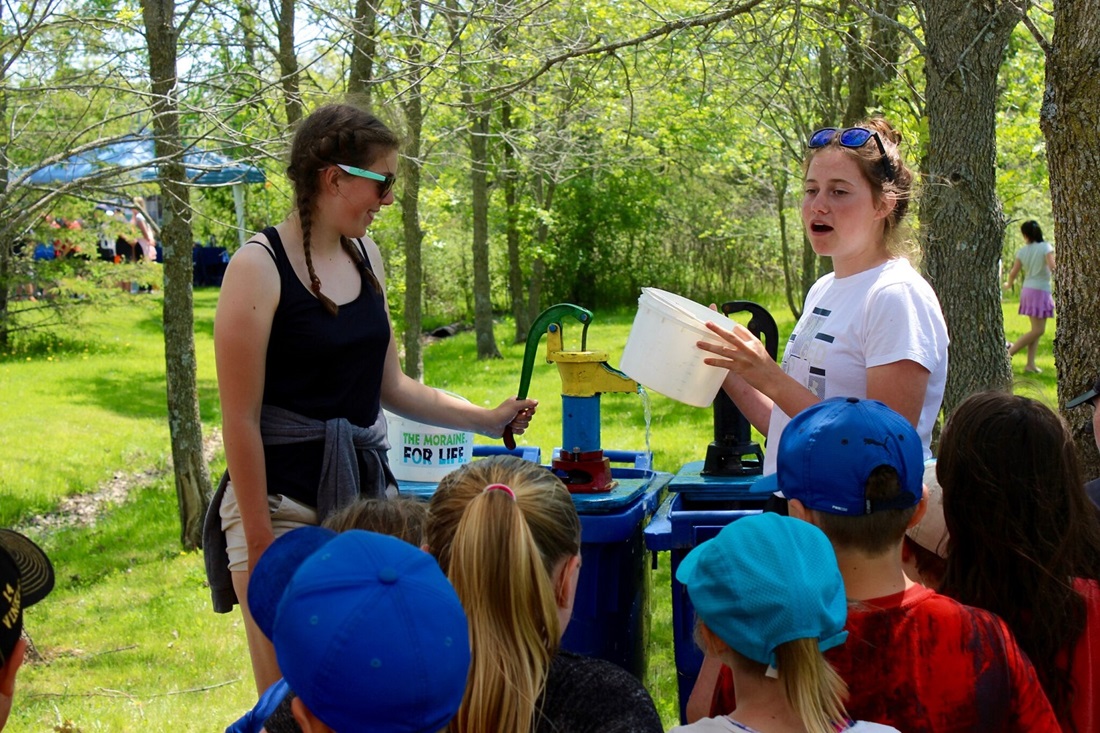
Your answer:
<point x="756" y="382"/>
<point x="410" y="398"/>
<point x="1016" y="266"/>
<point x="1050" y="261"/>
<point x="753" y="404"/>
<point x="7" y="679"/>
<point x="242" y="327"/>
<point x="901" y="386"/>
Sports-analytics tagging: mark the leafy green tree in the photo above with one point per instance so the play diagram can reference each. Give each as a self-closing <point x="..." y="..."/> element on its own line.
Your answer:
<point x="1070" y="119"/>
<point x="59" y="96"/>
<point x="961" y="217"/>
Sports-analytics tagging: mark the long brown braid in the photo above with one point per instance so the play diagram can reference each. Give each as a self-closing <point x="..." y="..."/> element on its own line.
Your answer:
<point x="334" y="133"/>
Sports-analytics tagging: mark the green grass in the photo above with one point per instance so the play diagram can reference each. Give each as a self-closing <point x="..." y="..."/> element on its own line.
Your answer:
<point x="678" y="433"/>
<point x="128" y="633"/>
<point x="76" y="409"/>
<point x="128" y="637"/>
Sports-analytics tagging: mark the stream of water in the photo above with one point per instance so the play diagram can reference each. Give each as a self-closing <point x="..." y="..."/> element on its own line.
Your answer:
<point x="647" y="410"/>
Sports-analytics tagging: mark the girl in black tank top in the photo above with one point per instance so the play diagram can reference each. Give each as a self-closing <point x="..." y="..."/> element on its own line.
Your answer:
<point x="321" y="366"/>
<point x="282" y="341"/>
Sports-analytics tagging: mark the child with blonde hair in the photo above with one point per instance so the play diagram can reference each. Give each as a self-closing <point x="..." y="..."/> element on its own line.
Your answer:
<point x="769" y="600"/>
<point x="506" y="533"/>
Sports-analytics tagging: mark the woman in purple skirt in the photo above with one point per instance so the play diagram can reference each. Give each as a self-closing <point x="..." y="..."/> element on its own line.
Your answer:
<point x="1036" y="259"/>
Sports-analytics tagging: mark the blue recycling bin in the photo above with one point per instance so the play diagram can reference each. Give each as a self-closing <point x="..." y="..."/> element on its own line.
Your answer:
<point x="697" y="508"/>
<point x="611" y="610"/>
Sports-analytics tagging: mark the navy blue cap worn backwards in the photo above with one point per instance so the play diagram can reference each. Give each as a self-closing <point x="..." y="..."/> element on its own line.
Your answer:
<point x="829" y="450"/>
<point x="765" y="580"/>
<point x="368" y="631"/>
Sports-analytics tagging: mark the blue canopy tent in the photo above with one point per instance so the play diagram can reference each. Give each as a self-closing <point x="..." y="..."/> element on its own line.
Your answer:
<point x="136" y="157"/>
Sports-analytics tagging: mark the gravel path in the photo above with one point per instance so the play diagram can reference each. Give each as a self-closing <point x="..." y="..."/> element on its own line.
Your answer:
<point x="82" y="510"/>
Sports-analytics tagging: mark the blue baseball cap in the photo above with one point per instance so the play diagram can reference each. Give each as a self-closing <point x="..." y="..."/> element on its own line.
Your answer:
<point x="370" y="634"/>
<point x="765" y="580"/>
<point x="276" y="567"/>
<point x="828" y="451"/>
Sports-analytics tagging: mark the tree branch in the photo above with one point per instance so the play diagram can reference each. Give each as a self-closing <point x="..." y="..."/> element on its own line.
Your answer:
<point x="658" y="32"/>
<point x="1036" y="33"/>
<point x="906" y="30"/>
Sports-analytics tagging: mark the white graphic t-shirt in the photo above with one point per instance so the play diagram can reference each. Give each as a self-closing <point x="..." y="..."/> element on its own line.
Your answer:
<point x="848" y="325"/>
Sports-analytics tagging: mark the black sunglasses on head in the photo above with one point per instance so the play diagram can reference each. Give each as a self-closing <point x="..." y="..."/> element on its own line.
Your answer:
<point x="852" y="137"/>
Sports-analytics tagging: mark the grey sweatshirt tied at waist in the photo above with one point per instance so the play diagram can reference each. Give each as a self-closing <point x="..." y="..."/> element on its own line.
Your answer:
<point x="340" y="482"/>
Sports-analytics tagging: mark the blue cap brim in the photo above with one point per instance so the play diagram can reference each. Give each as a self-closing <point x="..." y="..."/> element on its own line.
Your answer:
<point x="687" y="566"/>
<point x="768" y="485"/>
<point x="275" y="569"/>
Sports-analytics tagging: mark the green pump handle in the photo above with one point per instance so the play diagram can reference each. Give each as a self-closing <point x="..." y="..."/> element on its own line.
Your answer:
<point x="550" y="316"/>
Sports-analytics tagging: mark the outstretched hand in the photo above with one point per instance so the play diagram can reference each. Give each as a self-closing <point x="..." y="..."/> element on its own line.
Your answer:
<point x="513" y="413"/>
<point x="743" y="354"/>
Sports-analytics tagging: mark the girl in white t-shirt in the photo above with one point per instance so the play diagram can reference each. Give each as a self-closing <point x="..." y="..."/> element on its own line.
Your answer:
<point x="873" y="327"/>
<point x="1036" y="259"/>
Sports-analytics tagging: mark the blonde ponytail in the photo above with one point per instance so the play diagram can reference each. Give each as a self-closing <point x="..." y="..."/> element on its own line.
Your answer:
<point x="813" y="688"/>
<point x="500" y="553"/>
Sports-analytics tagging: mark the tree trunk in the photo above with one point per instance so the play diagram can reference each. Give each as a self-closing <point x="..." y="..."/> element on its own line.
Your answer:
<point x="5" y="283"/>
<point x="871" y="62"/>
<point x="246" y="14"/>
<point x="859" y="75"/>
<point x="288" y="62"/>
<point x="544" y="197"/>
<point x="961" y="217"/>
<point x="410" y="202"/>
<point x="1070" y="118"/>
<point x="363" y="45"/>
<point x="780" y="187"/>
<point x="6" y="243"/>
<point x="508" y="177"/>
<point x="185" y="426"/>
<point x="479" y="185"/>
<point x="809" y="266"/>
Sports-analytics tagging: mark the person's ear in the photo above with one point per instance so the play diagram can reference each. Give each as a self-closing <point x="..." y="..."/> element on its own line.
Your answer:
<point x="922" y="507"/>
<point x="713" y="645"/>
<point x="329" y="179"/>
<point x="798" y="510"/>
<point x="565" y="585"/>
<point x="307" y="721"/>
<point x="887" y="202"/>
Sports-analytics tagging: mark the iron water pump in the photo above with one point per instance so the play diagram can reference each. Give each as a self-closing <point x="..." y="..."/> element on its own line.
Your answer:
<point x="585" y="375"/>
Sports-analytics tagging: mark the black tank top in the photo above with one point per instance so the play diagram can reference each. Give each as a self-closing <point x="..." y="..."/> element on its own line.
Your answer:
<point x="320" y="366"/>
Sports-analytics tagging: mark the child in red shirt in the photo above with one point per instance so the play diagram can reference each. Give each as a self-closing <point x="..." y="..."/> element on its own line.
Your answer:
<point x="914" y="659"/>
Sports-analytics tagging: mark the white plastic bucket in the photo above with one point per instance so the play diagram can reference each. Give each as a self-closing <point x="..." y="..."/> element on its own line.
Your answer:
<point x="661" y="352"/>
<point x="425" y="453"/>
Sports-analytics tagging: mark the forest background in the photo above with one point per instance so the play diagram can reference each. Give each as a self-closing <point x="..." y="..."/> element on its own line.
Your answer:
<point x="572" y="151"/>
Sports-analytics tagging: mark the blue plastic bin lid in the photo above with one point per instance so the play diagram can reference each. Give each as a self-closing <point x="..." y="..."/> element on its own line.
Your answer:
<point x="690" y="481"/>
